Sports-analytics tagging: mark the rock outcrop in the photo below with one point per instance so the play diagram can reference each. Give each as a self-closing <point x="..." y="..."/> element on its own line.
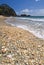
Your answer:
<point x="24" y="15"/>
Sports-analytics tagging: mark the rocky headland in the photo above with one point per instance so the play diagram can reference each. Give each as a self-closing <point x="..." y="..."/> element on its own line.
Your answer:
<point x="6" y="10"/>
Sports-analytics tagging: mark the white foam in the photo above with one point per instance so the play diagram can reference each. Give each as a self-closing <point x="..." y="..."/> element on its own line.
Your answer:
<point x="36" y="33"/>
<point x="22" y="26"/>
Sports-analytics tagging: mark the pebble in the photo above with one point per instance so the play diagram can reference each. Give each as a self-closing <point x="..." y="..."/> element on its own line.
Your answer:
<point x="0" y="55"/>
<point x="20" y="51"/>
<point x="9" y="56"/>
<point x="4" y="49"/>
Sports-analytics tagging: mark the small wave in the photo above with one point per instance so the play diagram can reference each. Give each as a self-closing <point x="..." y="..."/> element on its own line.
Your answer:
<point x="32" y="19"/>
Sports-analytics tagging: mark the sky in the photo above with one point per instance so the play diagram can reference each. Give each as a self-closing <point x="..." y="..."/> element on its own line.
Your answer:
<point x="31" y="7"/>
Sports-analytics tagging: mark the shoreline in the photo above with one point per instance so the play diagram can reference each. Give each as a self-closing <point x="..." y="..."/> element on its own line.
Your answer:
<point x="24" y="27"/>
<point x="3" y="23"/>
<point x="19" y="47"/>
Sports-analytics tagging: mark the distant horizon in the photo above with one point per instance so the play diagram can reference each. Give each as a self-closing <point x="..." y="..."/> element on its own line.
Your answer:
<point x="30" y="7"/>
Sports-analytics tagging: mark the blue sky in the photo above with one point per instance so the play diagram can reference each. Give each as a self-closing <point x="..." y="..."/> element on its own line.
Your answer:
<point x="32" y="7"/>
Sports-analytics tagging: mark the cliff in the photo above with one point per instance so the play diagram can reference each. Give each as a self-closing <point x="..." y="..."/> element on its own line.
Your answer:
<point x="6" y="10"/>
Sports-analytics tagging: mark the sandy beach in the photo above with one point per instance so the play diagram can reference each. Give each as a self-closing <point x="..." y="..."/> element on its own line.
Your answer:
<point x="19" y="47"/>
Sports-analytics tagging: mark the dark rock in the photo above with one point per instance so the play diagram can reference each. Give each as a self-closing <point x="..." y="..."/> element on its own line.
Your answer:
<point x="24" y="15"/>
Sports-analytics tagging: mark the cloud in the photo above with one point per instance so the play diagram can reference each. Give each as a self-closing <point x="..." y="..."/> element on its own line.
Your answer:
<point x="37" y="0"/>
<point x="25" y="11"/>
<point x="36" y="12"/>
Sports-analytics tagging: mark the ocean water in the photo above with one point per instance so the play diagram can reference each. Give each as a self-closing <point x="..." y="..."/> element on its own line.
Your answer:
<point x="34" y="24"/>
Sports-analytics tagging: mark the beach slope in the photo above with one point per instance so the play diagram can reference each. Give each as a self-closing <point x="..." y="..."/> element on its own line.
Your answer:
<point x="19" y="47"/>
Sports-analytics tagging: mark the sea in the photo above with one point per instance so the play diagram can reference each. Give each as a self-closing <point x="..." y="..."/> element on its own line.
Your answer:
<point x="33" y="24"/>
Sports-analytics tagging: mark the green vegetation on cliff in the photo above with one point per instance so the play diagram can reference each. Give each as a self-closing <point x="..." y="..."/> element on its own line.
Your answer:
<point x="6" y="10"/>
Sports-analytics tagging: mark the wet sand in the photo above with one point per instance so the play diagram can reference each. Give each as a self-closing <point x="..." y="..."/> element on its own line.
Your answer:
<point x="19" y="47"/>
